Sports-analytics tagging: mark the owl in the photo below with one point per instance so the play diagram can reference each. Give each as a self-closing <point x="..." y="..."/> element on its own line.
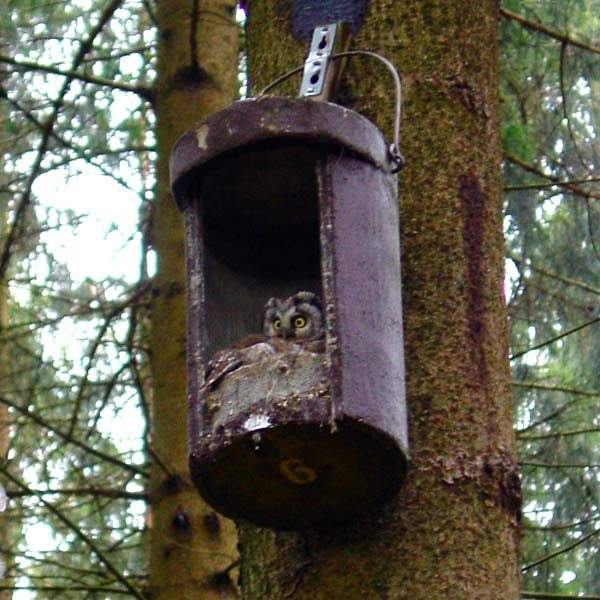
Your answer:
<point x="291" y="325"/>
<point x="298" y="318"/>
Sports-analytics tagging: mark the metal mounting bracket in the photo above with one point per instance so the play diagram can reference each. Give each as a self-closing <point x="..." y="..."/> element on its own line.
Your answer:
<point x="321" y="75"/>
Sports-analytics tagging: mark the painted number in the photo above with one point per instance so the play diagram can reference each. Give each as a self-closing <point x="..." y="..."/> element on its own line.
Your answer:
<point x="297" y="472"/>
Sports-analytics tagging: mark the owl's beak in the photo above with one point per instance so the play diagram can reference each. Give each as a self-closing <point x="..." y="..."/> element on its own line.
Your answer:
<point x="286" y="332"/>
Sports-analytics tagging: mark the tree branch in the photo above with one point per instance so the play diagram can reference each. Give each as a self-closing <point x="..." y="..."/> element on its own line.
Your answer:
<point x="112" y="314"/>
<point x="553" y="275"/>
<point x="568" y="185"/>
<point x="555" y="338"/>
<point x="536" y="465"/>
<point x="553" y="33"/>
<point x="568" y="548"/>
<point x="85" y="538"/>
<point x="550" y="596"/>
<point x="47" y="132"/>
<point x="43" y="423"/>
<point x="145" y="92"/>
<point x="81" y="491"/>
<point x="554" y="388"/>
<point x="557" y="434"/>
<point x="64" y="588"/>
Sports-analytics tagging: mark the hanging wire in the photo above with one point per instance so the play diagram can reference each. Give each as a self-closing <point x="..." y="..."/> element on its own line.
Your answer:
<point x="394" y="148"/>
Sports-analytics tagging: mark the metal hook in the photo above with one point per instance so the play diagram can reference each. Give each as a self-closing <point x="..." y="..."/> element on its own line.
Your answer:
<point x="394" y="148"/>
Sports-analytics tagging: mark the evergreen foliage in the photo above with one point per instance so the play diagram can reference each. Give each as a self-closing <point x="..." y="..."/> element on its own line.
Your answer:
<point x="550" y="74"/>
<point x="76" y="379"/>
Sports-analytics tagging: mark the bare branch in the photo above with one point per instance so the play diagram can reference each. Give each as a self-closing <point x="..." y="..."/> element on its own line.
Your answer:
<point x="553" y="275"/>
<point x="65" y="588"/>
<point x="568" y="185"/>
<point x="538" y="465"/>
<point x="550" y="596"/>
<point x="557" y="434"/>
<point x="81" y="491"/>
<point x="554" y="388"/>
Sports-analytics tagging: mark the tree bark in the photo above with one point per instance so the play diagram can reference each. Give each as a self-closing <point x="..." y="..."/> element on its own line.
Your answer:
<point x="192" y="548"/>
<point x="453" y="529"/>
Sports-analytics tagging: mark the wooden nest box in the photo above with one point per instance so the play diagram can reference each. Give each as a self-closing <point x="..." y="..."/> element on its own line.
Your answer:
<point x="280" y="196"/>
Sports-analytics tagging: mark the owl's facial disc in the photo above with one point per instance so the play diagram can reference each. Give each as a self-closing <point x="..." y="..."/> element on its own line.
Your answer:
<point x="299" y="316"/>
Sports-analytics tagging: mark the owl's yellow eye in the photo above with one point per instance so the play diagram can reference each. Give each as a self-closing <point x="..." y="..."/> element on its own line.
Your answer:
<point x="299" y="322"/>
<point x="276" y="324"/>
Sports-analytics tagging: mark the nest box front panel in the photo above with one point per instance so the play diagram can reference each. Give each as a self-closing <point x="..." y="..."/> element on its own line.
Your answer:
<point x="360" y="218"/>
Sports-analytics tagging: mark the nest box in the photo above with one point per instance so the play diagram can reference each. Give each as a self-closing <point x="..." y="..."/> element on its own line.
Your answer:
<point x="280" y="195"/>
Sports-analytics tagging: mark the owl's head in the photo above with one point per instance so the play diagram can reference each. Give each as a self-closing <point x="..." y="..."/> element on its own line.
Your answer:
<point x="298" y="317"/>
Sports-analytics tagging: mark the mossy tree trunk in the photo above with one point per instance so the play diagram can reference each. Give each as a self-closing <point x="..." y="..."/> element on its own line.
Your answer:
<point x="191" y="547"/>
<point x="453" y="530"/>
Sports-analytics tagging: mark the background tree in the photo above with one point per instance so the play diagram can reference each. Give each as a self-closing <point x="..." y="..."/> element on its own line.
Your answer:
<point x="5" y="527"/>
<point x="192" y="547"/>
<point x="79" y="100"/>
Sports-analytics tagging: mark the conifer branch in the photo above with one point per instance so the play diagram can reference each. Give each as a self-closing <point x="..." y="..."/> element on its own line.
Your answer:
<point x="29" y="414"/>
<point x="555" y="338"/>
<point x="557" y="434"/>
<point x="554" y="388"/>
<point x="96" y="343"/>
<point x="22" y="65"/>
<point x="539" y="465"/>
<point x="560" y="551"/>
<point x="565" y="184"/>
<point x="56" y="589"/>
<point x="552" y="275"/>
<point x="553" y="33"/>
<point x="550" y="596"/>
<point x="47" y="131"/>
<point x="79" y="491"/>
<point x="116" y="572"/>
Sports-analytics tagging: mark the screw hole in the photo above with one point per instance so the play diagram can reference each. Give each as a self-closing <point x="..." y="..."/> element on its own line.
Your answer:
<point x="323" y="42"/>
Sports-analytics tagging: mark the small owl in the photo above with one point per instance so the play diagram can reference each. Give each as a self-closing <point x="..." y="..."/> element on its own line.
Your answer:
<point x="298" y="318"/>
<point x="289" y="325"/>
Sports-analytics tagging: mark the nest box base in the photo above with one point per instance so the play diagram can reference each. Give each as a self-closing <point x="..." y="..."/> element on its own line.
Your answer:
<point x="293" y="475"/>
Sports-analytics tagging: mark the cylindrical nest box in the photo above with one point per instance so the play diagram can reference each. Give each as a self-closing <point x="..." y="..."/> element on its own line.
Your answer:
<point x="281" y="197"/>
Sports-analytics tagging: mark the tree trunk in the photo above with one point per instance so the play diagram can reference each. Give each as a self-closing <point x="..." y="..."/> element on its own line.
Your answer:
<point x="453" y="529"/>
<point x="191" y="547"/>
<point x="5" y="376"/>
